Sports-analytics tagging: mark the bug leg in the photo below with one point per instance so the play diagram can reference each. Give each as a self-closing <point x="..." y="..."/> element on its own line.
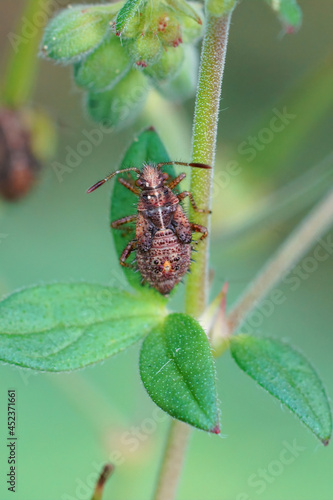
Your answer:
<point x="176" y="181"/>
<point x="199" y="229"/>
<point x="183" y="195"/>
<point x="129" y="186"/>
<point x="124" y="220"/>
<point x="126" y="253"/>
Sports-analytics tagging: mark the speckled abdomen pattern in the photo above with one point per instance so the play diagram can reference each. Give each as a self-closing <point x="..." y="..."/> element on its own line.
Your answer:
<point x="166" y="262"/>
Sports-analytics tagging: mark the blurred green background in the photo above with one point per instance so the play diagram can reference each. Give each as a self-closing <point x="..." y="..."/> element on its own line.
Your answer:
<point x="71" y="424"/>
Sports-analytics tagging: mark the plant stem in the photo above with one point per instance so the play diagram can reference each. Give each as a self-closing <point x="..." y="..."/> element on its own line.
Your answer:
<point x="296" y="245"/>
<point x="204" y="144"/>
<point x="22" y="66"/>
<point x="174" y="456"/>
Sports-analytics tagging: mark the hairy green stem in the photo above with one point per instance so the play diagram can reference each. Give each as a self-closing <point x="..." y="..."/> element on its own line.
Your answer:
<point x="290" y="252"/>
<point x="204" y="144"/>
<point x="22" y="65"/>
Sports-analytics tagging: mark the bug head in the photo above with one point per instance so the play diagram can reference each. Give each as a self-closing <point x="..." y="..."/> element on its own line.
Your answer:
<point x="151" y="178"/>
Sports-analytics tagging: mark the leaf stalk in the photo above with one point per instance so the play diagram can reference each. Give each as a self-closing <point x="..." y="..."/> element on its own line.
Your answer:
<point x="289" y="253"/>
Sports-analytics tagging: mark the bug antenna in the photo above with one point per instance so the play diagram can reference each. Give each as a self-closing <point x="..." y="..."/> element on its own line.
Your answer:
<point x="103" y="181"/>
<point x="195" y="165"/>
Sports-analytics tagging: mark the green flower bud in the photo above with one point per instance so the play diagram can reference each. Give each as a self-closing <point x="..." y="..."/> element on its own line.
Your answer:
<point x="104" y="67"/>
<point x="192" y="30"/>
<point x="170" y="30"/>
<point x="184" y="85"/>
<point x="145" y="49"/>
<point x="220" y="7"/>
<point x="120" y="105"/>
<point x="168" y="65"/>
<point x="134" y="27"/>
<point x="185" y="8"/>
<point x="76" y="31"/>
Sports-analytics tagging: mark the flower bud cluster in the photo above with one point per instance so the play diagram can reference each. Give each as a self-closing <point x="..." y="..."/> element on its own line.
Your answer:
<point x="119" y="50"/>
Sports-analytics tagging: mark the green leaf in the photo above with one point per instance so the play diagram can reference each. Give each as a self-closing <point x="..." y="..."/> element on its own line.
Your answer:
<point x="63" y="327"/>
<point x="287" y="375"/>
<point x="146" y="148"/>
<point x="76" y="31"/>
<point x="178" y="372"/>
<point x="126" y="14"/>
<point x="289" y="13"/>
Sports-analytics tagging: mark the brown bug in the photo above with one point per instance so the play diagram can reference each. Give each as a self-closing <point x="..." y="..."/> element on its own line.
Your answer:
<point x="163" y="232"/>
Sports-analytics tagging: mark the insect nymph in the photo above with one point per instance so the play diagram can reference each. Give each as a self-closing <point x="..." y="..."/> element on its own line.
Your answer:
<point x="163" y="232"/>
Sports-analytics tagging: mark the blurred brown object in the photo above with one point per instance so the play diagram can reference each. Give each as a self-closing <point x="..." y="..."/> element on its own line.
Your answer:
<point x="104" y="476"/>
<point x="18" y="165"/>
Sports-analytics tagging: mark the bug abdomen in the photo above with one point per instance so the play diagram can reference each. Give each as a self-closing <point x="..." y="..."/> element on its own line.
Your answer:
<point x="166" y="262"/>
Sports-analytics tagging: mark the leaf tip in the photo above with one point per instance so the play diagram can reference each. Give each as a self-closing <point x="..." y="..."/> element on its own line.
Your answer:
<point x="289" y="29"/>
<point x="216" y="429"/>
<point x="326" y="441"/>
